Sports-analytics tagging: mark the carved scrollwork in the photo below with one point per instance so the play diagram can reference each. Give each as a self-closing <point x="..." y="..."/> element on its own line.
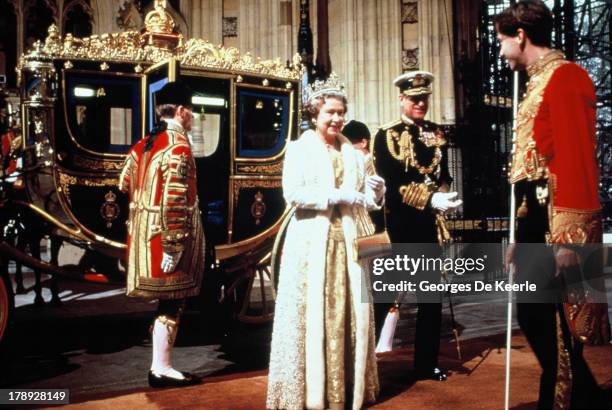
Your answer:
<point x="262" y="169"/>
<point x="87" y="163"/>
<point x="65" y="181"/>
<point x="156" y="43"/>
<point x="254" y="183"/>
<point x="201" y="53"/>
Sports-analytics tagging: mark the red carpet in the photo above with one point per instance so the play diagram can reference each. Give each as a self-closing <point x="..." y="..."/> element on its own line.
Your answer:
<point x="475" y="382"/>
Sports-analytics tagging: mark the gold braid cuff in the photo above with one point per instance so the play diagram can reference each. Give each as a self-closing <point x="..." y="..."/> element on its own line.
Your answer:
<point x="575" y="226"/>
<point x="416" y="195"/>
<point x="173" y="241"/>
<point x="167" y="320"/>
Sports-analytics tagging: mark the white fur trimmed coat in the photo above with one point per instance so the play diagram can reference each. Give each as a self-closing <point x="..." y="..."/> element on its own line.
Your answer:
<point x="297" y="361"/>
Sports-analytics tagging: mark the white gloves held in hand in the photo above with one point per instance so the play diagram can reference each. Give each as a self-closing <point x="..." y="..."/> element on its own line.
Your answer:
<point x="346" y="197"/>
<point x="169" y="261"/>
<point x="443" y="201"/>
<point x="376" y="184"/>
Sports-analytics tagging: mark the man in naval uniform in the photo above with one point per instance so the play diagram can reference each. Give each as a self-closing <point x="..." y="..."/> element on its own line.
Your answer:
<point x="554" y="175"/>
<point x="410" y="155"/>
<point x="165" y="246"/>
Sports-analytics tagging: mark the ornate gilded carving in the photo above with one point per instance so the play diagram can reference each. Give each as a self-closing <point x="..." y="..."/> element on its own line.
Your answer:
<point x="254" y="183"/>
<point x="109" y="209"/>
<point x="137" y="48"/>
<point x="92" y="164"/>
<point x="126" y="46"/>
<point x="201" y="53"/>
<point x="262" y="169"/>
<point x="158" y="20"/>
<point x="65" y="181"/>
<point x="258" y="208"/>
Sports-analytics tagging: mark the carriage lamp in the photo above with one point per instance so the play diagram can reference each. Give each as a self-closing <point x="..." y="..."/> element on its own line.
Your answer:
<point x="208" y="101"/>
<point x="84" y="92"/>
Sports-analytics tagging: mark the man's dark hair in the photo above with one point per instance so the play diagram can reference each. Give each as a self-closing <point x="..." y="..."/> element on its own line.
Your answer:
<point x="166" y="110"/>
<point x="356" y="131"/>
<point x="532" y="16"/>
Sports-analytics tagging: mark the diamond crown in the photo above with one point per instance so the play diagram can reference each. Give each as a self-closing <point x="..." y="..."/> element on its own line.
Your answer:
<point x="320" y="87"/>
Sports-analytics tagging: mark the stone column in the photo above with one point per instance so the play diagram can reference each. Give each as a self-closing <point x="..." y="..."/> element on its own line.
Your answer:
<point x="262" y="30"/>
<point x="435" y="55"/>
<point x="365" y="49"/>
<point x="104" y="16"/>
<point x="206" y="19"/>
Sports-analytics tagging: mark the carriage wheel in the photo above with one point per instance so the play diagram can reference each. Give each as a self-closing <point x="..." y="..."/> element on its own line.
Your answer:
<point x="254" y="290"/>
<point x="257" y="305"/>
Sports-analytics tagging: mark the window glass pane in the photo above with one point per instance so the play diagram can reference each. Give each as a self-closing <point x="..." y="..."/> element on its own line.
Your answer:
<point x="121" y="126"/>
<point x="103" y="111"/>
<point x="263" y="123"/>
<point x="205" y="133"/>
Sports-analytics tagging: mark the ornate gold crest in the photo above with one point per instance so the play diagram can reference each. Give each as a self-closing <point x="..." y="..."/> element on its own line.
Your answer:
<point x="183" y="166"/>
<point x="258" y="208"/>
<point x="110" y="210"/>
<point x="419" y="81"/>
<point x="158" y="20"/>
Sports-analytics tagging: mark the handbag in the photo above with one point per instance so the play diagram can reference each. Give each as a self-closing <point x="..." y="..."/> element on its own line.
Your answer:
<point x="375" y="245"/>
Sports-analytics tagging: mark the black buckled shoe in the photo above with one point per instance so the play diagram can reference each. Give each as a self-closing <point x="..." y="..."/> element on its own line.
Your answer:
<point x="158" y="381"/>
<point x="434" y="374"/>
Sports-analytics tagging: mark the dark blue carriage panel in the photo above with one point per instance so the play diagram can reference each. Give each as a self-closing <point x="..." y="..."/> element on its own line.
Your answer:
<point x="258" y="206"/>
<point x="93" y="101"/>
<point x="263" y="123"/>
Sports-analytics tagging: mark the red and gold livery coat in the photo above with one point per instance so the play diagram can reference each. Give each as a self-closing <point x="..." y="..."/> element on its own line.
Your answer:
<point x="556" y="141"/>
<point x="556" y="145"/>
<point x="164" y="217"/>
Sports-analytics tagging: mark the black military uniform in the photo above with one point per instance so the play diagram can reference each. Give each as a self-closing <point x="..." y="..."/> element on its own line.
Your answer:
<point x="411" y="157"/>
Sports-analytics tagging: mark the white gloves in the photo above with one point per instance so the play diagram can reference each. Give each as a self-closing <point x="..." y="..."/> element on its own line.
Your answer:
<point x="376" y="184"/>
<point x="346" y="197"/>
<point x="169" y="261"/>
<point x="443" y="201"/>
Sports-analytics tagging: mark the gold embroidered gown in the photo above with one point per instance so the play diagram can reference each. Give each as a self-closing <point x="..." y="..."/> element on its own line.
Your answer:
<point x="322" y="350"/>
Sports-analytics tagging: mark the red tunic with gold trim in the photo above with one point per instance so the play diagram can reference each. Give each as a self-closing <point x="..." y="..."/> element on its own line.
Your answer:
<point x="9" y="145"/>
<point x="555" y="153"/>
<point x="556" y="141"/>
<point x="164" y="217"/>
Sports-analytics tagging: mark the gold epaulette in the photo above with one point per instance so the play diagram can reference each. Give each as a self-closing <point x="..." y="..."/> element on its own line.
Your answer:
<point x="390" y="124"/>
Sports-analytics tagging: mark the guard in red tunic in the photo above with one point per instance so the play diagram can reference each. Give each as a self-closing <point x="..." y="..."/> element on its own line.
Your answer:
<point x="165" y="247"/>
<point x="555" y="178"/>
